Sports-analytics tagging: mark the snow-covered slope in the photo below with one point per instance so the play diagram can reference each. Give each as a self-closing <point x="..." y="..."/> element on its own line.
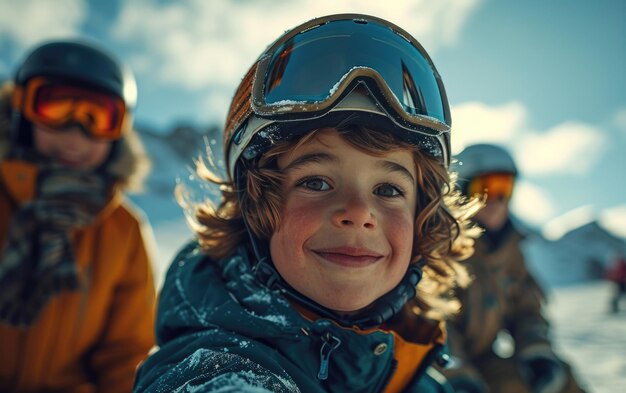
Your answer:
<point x="588" y="336"/>
<point x="580" y="255"/>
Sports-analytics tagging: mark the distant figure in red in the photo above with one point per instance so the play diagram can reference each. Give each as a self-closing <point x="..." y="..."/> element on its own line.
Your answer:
<point x="617" y="274"/>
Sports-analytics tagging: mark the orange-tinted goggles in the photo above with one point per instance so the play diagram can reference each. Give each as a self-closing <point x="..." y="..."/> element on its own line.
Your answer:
<point x="493" y="185"/>
<point x="56" y="104"/>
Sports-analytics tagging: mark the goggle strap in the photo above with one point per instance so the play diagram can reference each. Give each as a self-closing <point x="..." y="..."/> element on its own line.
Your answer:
<point x="17" y="99"/>
<point x="240" y="108"/>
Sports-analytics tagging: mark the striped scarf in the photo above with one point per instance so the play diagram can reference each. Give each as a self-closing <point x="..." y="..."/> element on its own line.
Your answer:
<point x="38" y="260"/>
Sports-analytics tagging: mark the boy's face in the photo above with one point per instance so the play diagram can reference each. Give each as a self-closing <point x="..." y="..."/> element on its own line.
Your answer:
<point x="70" y="147"/>
<point x="347" y="226"/>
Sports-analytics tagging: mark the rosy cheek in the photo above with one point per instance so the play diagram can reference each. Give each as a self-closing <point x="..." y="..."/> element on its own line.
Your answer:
<point x="300" y="220"/>
<point x="302" y="210"/>
<point x="43" y="142"/>
<point x="101" y="153"/>
<point x="400" y="230"/>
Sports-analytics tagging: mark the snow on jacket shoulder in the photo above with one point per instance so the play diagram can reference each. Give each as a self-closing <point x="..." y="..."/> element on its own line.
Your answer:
<point x="219" y="329"/>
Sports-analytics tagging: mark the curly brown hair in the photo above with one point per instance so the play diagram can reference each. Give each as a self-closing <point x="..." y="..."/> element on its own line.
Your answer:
<point x="443" y="232"/>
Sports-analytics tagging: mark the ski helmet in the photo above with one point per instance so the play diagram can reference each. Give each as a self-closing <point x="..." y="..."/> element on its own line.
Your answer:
<point x="76" y="62"/>
<point x="479" y="159"/>
<point x="347" y="69"/>
<point x="370" y="73"/>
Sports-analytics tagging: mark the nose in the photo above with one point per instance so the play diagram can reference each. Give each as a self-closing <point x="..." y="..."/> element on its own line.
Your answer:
<point x="72" y="136"/>
<point x="355" y="212"/>
<point x="72" y="130"/>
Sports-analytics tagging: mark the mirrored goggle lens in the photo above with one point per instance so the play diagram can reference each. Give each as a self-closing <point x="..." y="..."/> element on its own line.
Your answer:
<point x="99" y="113"/>
<point x="493" y="185"/>
<point x="308" y="67"/>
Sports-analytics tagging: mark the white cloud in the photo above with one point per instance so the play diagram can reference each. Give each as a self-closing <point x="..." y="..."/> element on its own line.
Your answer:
<point x="614" y="219"/>
<point x="26" y="22"/>
<point x="620" y="119"/>
<point x="198" y="43"/>
<point x="475" y="122"/>
<point x="213" y="102"/>
<point x="569" y="147"/>
<point x="559" y="226"/>
<point x="532" y="203"/>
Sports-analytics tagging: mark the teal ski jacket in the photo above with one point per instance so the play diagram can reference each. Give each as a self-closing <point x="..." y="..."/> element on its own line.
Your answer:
<point x="221" y="330"/>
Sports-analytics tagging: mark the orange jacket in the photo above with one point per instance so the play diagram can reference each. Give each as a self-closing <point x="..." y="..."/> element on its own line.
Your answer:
<point x="93" y="339"/>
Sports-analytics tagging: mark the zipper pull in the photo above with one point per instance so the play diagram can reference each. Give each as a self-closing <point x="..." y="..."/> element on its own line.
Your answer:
<point x="330" y="344"/>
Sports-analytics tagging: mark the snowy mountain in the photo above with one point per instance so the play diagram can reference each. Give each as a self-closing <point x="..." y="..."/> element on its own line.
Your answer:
<point x="172" y="155"/>
<point x="579" y="255"/>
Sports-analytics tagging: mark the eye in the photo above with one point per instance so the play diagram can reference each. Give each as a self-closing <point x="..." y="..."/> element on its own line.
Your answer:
<point x="315" y="184"/>
<point x="388" y="191"/>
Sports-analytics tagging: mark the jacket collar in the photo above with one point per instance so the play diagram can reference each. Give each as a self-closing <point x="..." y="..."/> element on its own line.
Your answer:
<point x="200" y="294"/>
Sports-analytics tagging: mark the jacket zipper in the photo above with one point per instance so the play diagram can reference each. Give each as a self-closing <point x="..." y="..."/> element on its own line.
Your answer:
<point x="330" y="344"/>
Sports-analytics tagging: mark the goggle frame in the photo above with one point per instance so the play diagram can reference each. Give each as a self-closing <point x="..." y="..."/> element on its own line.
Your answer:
<point x="25" y="100"/>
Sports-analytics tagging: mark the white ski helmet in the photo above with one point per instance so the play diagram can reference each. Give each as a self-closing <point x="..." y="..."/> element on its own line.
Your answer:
<point x="479" y="159"/>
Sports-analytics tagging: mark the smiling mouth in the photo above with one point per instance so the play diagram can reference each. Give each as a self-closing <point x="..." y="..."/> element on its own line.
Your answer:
<point x="350" y="257"/>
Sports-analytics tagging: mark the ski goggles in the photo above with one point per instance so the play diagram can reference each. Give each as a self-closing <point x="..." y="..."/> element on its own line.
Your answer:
<point x="57" y="104"/>
<point x="496" y="186"/>
<point x="307" y="73"/>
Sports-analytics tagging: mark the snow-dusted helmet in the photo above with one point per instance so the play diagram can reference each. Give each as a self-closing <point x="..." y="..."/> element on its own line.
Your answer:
<point x="347" y="69"/>
<point x="310" y="76"/>
<point x="64" y="82"/>
<point x="482" y="159"/>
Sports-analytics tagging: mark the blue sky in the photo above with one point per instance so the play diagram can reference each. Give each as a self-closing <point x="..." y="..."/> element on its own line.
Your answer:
<point x="544" y="78"/>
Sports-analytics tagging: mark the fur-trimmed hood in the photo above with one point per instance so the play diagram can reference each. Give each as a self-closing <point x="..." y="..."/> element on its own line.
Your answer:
<point x="129" y="167"/>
